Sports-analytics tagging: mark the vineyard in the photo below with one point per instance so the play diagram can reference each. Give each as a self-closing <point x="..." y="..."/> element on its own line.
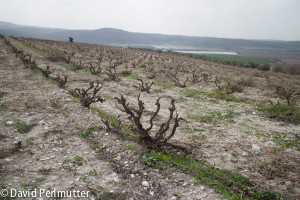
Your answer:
<point x="136" y="124"/>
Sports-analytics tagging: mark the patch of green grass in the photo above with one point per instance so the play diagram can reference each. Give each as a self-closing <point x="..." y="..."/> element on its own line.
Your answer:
<point x="157" y="91"/>
<point x="243" y="59"/>
<point x="163" y="84"/>
<point x="45" y="171"/>
<point x="286" y="142"/>
<point x="122" y="84"/>
<point x="52" y="81"/>
<point x="281" y="140"/>
<point x="95" y="146"/>
<point x="225" y="182"/>
<point x="86" y="133"/>
<point x="131" y="147"/>
<point x="34" y="119"/>
<point x="191" y="92"/>
<point x="27" y="76"/>
<point x="95" y="173"/>
<point x="213" y="117"/>
<point x="142" y="66"/>
<point x="2" y="95"/>
<point x="41" y="179"/>
<point x="234" y="154"/>
<point x="281" y="112"/>
<point x="190" y="130"/>
<point x="2" y="107"/>
<point x="66" y="113"/>
<point x="29" y="187"/>
<point x="223" y="96"/>
<point x="101" y="77"/>
<point x="55" y="103"/>
<point x="78" y="158"/>
<point x="83" y="178"/>
<point x="30" y="139"/>
<point x="133" y="76"/>
<point x="68" y="168"/>
<point x="176" y="194"/>
<point x="278" y="108"/>
<point x="37" y="71"/>
<point x="166" y="85"/>
<point x="21" y="126"/>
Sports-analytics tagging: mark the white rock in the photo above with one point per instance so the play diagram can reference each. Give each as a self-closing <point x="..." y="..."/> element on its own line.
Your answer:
<point x="256" y="149"/>
<point x="9" y="122"/>
<point x="42" y="122"/>
<point x="288" y="183"/>
<point x="173" y="197"/>
<point x="8" y="160"/>
<point x="112" y="177"/>
<point x="46" y="128"/>
<point x="145" y="183"/>
<point x="151" y="193"/>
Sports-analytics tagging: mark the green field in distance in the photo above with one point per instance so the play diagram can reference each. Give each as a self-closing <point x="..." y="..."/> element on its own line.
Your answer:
<point x="241" y="58"/>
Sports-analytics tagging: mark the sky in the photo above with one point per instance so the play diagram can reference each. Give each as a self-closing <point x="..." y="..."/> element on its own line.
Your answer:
<point x="245" y="19"/>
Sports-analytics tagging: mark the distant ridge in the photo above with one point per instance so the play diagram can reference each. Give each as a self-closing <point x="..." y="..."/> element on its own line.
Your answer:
<point x="118" y="37"/>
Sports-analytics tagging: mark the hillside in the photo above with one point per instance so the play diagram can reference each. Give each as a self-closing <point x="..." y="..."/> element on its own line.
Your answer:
<point x="132" y="124"/>
<point x="117" y="37"/>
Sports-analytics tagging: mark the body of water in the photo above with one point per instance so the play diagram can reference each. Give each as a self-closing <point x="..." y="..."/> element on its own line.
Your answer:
<point x="209" y="52"/>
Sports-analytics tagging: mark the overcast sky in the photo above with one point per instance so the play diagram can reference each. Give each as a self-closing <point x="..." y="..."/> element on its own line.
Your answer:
<point x="248" y="19"/>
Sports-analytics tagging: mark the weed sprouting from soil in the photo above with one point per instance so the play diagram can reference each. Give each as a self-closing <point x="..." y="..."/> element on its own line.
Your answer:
<point x="225" y="182"/>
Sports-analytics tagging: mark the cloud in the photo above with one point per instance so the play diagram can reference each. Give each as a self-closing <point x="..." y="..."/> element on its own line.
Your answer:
<point x="248" y="5"/>
<point x="221" y="18"/>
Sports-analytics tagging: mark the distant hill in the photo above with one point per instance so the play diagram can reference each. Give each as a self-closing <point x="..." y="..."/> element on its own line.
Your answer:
<point x="117" y="37"/>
